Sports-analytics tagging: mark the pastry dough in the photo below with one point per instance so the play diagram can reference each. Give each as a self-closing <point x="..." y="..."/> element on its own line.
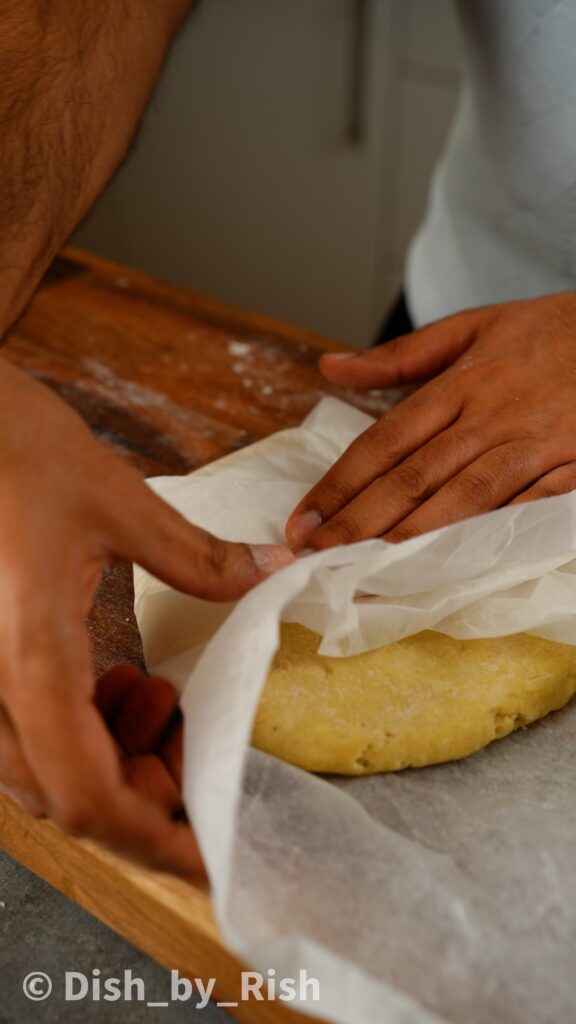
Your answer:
<point x="422" y="700"/>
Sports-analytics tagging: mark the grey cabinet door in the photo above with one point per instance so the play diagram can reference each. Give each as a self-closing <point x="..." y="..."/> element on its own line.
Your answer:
<point x="244" y="181"/>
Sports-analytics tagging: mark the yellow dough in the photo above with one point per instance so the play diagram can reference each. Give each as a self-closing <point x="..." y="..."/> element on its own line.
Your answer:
<point x="423" y="700"/>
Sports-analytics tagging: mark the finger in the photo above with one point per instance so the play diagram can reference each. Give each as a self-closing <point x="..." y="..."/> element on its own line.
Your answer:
<point x="112" y="689"/>
<point x="561" y="480"/>
<point x="488" y="483"/>
<point x="166" y="736"/>
<point x="139" y="712"/>
<point x="190" y="559"/>
<point x="148" y="709"/>
<point x="411" y="357"/>
<point x="91" y="795"/>
<point x="15" y="773"/>
<point x="172" y="752"/>
<point x="69" y="747"/>
<point x="149" y="776"/>
<point x="393" y="496"/>
<point x="396" y="435"/>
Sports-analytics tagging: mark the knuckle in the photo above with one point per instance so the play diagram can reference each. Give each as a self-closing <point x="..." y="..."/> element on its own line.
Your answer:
<point x="548" y="491"/>
<point x="393" y="347"/>
<point x="483" y="486"/>
<point x="341" y="531"/>
<point x="216" y="553"/>
<point x="512" y="460"/>
<point x="464" y="438"/>
<point x="388" y="352"/>
<point x="552" y="488"/>
<point x="404" y="531"/>
<point x="384" y="438"/>
<point x="412" y="482"/>
<point x="474" y="488"/>
<point x="334" y="494"/>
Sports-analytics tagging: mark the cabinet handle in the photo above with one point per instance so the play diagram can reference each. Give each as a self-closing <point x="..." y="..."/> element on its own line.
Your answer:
<point x="359" y="38"/>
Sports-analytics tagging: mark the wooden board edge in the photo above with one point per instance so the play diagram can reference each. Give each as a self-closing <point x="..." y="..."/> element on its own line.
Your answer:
<point x="168" y="918"/>
<point x="199" y="303"/>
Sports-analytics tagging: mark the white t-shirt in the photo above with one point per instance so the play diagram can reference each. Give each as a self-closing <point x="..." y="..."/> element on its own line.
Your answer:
<point x="501" y="219"/>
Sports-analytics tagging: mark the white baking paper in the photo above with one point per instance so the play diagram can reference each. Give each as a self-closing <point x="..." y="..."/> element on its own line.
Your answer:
<point x="438" y="894"/>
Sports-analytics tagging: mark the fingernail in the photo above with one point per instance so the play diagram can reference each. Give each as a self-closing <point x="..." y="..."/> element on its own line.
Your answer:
<point x="303" y="525"/>
<point x="268" y="558"/>
<point x="304" y="552"/>
<point x="340" y="355"/>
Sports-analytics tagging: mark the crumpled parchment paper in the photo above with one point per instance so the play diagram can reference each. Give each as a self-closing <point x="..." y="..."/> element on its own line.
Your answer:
<point x="438" y="894"/>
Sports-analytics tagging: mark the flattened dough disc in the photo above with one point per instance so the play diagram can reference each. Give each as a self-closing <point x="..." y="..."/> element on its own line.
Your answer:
<point x="423" y="700"/>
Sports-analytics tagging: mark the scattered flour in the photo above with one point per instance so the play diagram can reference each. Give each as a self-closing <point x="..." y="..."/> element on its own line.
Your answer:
<point x="239" y="348"/>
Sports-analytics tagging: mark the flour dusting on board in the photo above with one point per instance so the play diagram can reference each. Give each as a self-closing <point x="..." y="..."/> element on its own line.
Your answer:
<point x="131" y="394"/>
<point x="239" y="348"/>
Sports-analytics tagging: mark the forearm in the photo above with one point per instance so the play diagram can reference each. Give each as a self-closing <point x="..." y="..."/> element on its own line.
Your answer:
<point x="75" y="80"/>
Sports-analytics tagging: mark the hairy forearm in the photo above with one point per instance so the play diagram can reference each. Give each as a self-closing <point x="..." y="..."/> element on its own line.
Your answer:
<point x="75" y="79"/>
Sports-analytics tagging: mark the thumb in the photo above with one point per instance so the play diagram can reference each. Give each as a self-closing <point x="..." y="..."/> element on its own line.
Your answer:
<point x="188" y="558"/>
<point x="409" y="358"/>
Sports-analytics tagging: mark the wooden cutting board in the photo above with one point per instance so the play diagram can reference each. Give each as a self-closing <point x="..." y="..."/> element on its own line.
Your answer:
<point x="171" y="380"/>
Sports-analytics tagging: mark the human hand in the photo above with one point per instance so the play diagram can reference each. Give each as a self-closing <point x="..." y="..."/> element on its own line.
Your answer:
<point x="67" y="506"/>
<point x="142" y="714"/>
<point x="494" y="425"/>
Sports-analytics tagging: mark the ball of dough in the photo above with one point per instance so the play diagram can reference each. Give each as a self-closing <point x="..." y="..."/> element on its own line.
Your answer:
<point x="422" y="700"/>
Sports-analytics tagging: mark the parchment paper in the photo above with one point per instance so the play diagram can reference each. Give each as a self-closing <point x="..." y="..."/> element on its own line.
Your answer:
<point x="445" y="893"/>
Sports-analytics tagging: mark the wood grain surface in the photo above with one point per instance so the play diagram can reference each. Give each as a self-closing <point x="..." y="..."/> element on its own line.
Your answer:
<point x="170" y="380"/>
